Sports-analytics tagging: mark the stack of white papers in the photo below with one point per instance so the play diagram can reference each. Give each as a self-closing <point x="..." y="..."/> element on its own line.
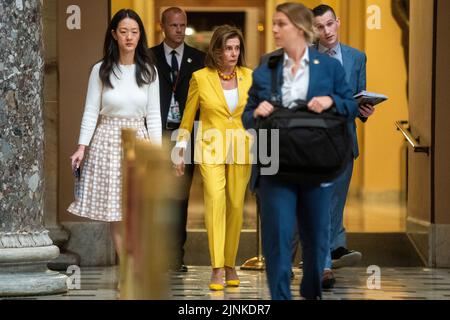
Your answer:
<point x="365" y="97"/>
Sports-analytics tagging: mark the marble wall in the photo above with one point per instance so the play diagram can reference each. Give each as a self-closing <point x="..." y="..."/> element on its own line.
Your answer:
<point x="21" y="123"/>
<point x="25" y="246"/>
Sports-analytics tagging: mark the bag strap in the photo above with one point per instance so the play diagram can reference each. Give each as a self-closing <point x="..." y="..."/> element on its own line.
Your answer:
<point x="274" y="83"/>
<point x="273" y="64"/>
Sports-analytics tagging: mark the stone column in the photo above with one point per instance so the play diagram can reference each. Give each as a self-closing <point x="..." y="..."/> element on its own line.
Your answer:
<point x="25" y="247"/>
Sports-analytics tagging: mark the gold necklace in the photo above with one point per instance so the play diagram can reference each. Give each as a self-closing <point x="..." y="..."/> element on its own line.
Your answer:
<point x="227" y="77"/>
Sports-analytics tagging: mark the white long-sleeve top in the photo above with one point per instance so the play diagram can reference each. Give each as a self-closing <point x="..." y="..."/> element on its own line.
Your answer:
<point x="126" y="99"/>
<point x="295" y="86"/>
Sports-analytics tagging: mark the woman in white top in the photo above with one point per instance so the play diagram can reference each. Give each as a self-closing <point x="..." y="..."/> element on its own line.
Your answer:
<point x="220" y="92"/>
<point x="123" y="92"/>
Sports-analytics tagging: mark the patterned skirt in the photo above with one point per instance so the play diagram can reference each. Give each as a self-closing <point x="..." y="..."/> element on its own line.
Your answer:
<point x="100" y="186"/>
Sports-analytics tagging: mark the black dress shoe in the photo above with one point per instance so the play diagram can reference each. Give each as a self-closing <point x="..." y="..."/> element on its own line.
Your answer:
<point x="183" y="268"/>
<point x="342" y="257"/>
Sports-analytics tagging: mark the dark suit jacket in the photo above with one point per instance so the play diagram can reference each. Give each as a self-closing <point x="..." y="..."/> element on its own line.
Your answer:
<point x="326" y="78"/>
<point x="192" y="61"/>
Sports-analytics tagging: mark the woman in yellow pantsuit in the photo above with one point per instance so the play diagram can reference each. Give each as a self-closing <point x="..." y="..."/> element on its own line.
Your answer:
<point x="222" y="146"/>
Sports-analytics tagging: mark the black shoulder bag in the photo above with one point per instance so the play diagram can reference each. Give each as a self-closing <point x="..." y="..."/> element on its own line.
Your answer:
<point x="313" y="148"/>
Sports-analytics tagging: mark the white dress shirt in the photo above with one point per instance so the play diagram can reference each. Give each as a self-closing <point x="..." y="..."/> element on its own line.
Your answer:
<point x="295" y="86"/>
<point x="126" y="99"/>
<point x="179" y="53"/>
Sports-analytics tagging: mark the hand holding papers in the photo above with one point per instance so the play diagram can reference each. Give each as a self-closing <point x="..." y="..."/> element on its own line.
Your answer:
<point x="365" y="97"/>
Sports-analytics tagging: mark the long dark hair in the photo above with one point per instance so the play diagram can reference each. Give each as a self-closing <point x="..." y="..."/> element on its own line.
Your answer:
<point x="144" y="60"/>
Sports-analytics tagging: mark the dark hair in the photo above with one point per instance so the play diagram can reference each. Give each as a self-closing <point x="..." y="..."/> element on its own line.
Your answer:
<point x="217" y="44"/>
<point x="175" y="10"/>
<point x="320" y="10"/>
<point x="144" y="60"/>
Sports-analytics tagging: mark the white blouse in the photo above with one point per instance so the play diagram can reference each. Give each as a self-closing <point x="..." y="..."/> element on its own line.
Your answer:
<point x="295" y="86"/>
<point x="232" y="98"/>
<point x="126" y="99"/>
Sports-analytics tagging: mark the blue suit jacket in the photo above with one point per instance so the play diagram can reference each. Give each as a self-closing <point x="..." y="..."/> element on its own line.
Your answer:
<point x="354" y="62"/>
<point x="355" y="68"/>
<point x="326" y="78"/>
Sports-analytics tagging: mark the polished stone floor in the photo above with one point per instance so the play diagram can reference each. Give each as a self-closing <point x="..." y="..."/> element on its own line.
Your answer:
<point x="352" y="284"/>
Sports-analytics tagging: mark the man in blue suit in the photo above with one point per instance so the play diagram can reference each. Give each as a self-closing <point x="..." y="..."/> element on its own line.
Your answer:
<point x="354" y="63"/>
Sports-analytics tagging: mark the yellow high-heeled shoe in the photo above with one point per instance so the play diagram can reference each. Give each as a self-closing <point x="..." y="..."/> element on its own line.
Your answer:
<point x="218" y="284"/>
<point x="233" y="283"/>
<point x="216" y="287"/>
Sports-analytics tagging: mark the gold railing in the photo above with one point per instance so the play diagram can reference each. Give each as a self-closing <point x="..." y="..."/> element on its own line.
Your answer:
<point x="148" y="187"/>
<point x="414" y="142"/>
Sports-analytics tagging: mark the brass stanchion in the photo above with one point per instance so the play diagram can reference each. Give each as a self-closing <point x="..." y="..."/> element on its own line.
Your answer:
<point x="143" y="257"/>
<point x="150" y="250"/>
<point x="256" y="263"/>
<point x="128" y="209"/>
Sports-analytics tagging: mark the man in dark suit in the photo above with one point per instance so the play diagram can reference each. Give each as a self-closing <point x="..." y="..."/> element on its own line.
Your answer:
<point x="176" y="61"/>
<point x="354" y="63"/>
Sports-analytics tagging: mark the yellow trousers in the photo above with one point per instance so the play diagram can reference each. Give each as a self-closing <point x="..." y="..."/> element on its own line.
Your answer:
<point x="224" y="187"/>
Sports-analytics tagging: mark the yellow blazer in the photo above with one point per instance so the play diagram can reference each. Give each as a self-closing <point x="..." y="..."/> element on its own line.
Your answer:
<point x="220" y="137"/>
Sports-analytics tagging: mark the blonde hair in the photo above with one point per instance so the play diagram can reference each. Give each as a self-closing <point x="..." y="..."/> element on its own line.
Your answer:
<point x="301" y="17"/>
<point x="214" y="56"/>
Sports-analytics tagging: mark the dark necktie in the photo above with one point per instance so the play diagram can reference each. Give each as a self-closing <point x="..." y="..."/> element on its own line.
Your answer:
<point x="331" y="52"/>
<point x="174" y="65"/>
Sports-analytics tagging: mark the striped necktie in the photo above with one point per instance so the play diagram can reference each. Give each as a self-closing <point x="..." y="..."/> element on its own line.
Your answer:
<point x="331" y="52"/>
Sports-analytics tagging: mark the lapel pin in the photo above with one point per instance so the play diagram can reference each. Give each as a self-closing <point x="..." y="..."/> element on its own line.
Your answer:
<point x="316" y="61"/>
<point x="189" y="60"/>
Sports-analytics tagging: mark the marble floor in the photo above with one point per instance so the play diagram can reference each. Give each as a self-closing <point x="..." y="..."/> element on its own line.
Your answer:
<point x="351" y="284"/>
<point x="100" y="283"/>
